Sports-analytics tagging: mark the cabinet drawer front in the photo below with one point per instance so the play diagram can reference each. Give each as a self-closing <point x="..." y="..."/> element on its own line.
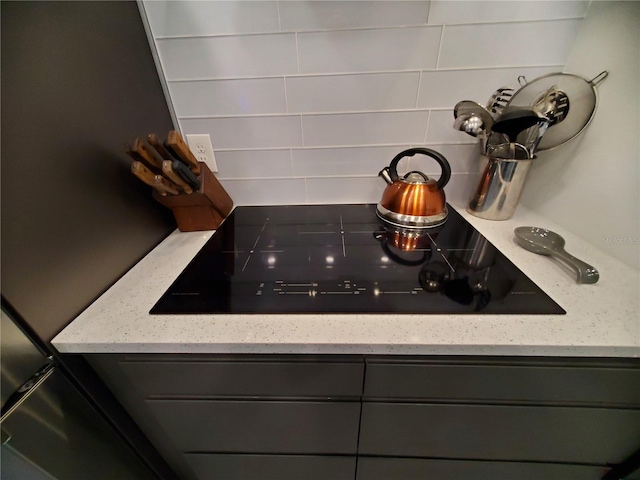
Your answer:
<point x="271" y="467"/>
<point x="370" y="468"/>
<point x="552" y="434"/>
<point x="276" y="379"/>
<point x="259" y="427"/>
<point x="531" y="384"/>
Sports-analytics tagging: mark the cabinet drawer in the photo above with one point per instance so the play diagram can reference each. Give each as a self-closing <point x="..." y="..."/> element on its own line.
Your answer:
<point x="375" y="468"/>
<point x="504" y="383"/>
<point x="551" y="434"/>
<point x="276" y="379"/>
<point x="271" y="467"/>
<point x="259" y="427"/>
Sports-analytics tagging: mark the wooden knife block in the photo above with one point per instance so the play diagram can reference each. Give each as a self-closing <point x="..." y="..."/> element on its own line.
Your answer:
<point x="204" y="209"/>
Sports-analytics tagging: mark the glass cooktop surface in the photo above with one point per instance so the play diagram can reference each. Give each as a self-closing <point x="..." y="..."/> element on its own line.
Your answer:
<point x="343" y="259"/>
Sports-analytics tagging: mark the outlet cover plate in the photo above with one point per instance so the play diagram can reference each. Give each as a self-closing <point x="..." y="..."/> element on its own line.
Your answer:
<point x="202" y="148"/>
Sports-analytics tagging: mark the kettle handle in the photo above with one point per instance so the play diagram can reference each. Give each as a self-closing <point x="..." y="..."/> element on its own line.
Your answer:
<point x="444" y="164"/>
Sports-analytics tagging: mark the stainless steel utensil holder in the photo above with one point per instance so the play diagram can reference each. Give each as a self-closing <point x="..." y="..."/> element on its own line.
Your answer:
<point x="500" y="188"/>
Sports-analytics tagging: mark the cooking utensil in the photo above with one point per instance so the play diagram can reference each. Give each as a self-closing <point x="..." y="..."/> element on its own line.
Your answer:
<point x="171" y="174"/>
<point x="499" y="101"/>
<point x="553" y="105"/>
<point x="546" y="242"/>
<point x="469" y="107"/>
<point x="161" y="184"/>
<point x="179" y="149"/>
<point x="582" y="97"/>
<point x="415" y="200"/>
<point x="186" y="174"/>
<point x="513" y="122"/>
<point x="471" y="124"/>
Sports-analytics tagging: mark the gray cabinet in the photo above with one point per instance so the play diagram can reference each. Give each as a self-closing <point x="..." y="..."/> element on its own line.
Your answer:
<point x="272" y="467"/>
<point x="259" y="426"/>
<point x="244" y="416"/>
<point x="457" y="417"/>
<point x="539" y="381"/>
<point x="318" y="416"/>
<point x="232" y="377"/>
<point x="499" y="432"/>
<point x="372" y="468"/>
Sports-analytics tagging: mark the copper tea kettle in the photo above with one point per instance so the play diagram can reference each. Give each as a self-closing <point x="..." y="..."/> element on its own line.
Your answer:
<point x="415" y="200"/>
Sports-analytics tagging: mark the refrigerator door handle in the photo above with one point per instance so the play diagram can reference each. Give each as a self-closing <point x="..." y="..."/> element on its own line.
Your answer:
<point x="18" y="397"/>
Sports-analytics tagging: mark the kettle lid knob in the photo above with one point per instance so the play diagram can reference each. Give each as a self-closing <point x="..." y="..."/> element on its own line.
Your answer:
<point x="415" y="177"/>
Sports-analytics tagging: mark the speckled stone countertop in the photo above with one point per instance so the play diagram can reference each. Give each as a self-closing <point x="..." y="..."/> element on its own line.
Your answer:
<point x="601" y="320"/>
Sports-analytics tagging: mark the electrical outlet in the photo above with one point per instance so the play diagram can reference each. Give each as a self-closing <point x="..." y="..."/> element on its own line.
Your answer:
<point x="202" y="148"/>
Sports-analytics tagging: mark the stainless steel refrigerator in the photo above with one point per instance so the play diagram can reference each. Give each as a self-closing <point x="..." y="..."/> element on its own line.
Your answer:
<point x="78" y="83"/>
<point x="49" y="428"/>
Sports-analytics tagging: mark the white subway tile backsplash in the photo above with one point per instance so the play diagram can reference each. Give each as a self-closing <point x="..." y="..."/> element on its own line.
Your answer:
<point x="327" y="162"/>
<point x="443" y="12"/>
<point x="254" y="164"/>
<point x="323" y="15"/>
<point x="461" y="187"/>
<point x="340" y="93"/>
<point x="344" y="190"/>
<point x="443" y="89"/>
<point x="306" y="101"/>
<point x="193" y="18"/>
<point x="461" y="158"/>
<point x="369" y="50"/>
<point x="228" y="97"/>
<point x="441" y="129"/>
<point x="267" y="191"/>
<point x="507" y="44"/>
<point x="248" y="132"/>
<point x="369" y="189"/>
<point x="228" y="57"/>
<point x="364" y="128"/>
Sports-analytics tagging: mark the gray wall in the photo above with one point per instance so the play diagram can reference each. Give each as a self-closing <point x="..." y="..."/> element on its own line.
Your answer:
<point x="78" y="83"/>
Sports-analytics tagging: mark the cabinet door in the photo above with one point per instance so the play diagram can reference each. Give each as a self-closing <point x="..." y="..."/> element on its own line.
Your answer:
<point x="371" y="468"/>
<point x="259" y="426"/>
<point x="245" y="378"/>
<point x="551" y="434"/>
<point x="609" y="385"/>
<point x="271" y="467"/>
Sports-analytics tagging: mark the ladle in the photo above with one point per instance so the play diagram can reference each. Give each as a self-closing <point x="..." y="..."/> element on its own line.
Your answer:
<point x="514" y="122"/>
<point x="471" y="124"/>
<point x="546" y="242"/>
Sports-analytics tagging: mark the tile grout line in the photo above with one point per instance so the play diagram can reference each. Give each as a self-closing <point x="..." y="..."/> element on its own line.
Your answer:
<point x="343" y="146"/>
<point x="364" y="73"/>
<point x="440" y="46"/>
<point x="359" y="29"/>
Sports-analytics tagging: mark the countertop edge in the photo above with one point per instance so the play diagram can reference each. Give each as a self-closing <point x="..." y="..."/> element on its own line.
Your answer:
<point x="602" y="319"/>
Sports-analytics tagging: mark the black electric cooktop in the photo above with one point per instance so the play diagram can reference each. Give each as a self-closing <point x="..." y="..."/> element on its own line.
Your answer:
<point x="342" y="259"/>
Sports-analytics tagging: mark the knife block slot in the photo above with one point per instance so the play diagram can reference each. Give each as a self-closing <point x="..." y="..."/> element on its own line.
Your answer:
<point x="204" y="209"/>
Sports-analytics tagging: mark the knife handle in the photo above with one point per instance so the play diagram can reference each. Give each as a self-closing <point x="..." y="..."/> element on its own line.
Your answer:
<point x="138" y="158"/>
<point x="156" y="143"/>
<point x="146" y="154"/>
<point x="168" y="171"/>
<point x="150" y="178"/>
<point x="186" y="174"/>
<point x="164" y="186"/>
<point x="176" y="145"/>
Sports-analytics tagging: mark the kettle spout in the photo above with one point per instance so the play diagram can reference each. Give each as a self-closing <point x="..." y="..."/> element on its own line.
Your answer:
<point x="384" y="173"/>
